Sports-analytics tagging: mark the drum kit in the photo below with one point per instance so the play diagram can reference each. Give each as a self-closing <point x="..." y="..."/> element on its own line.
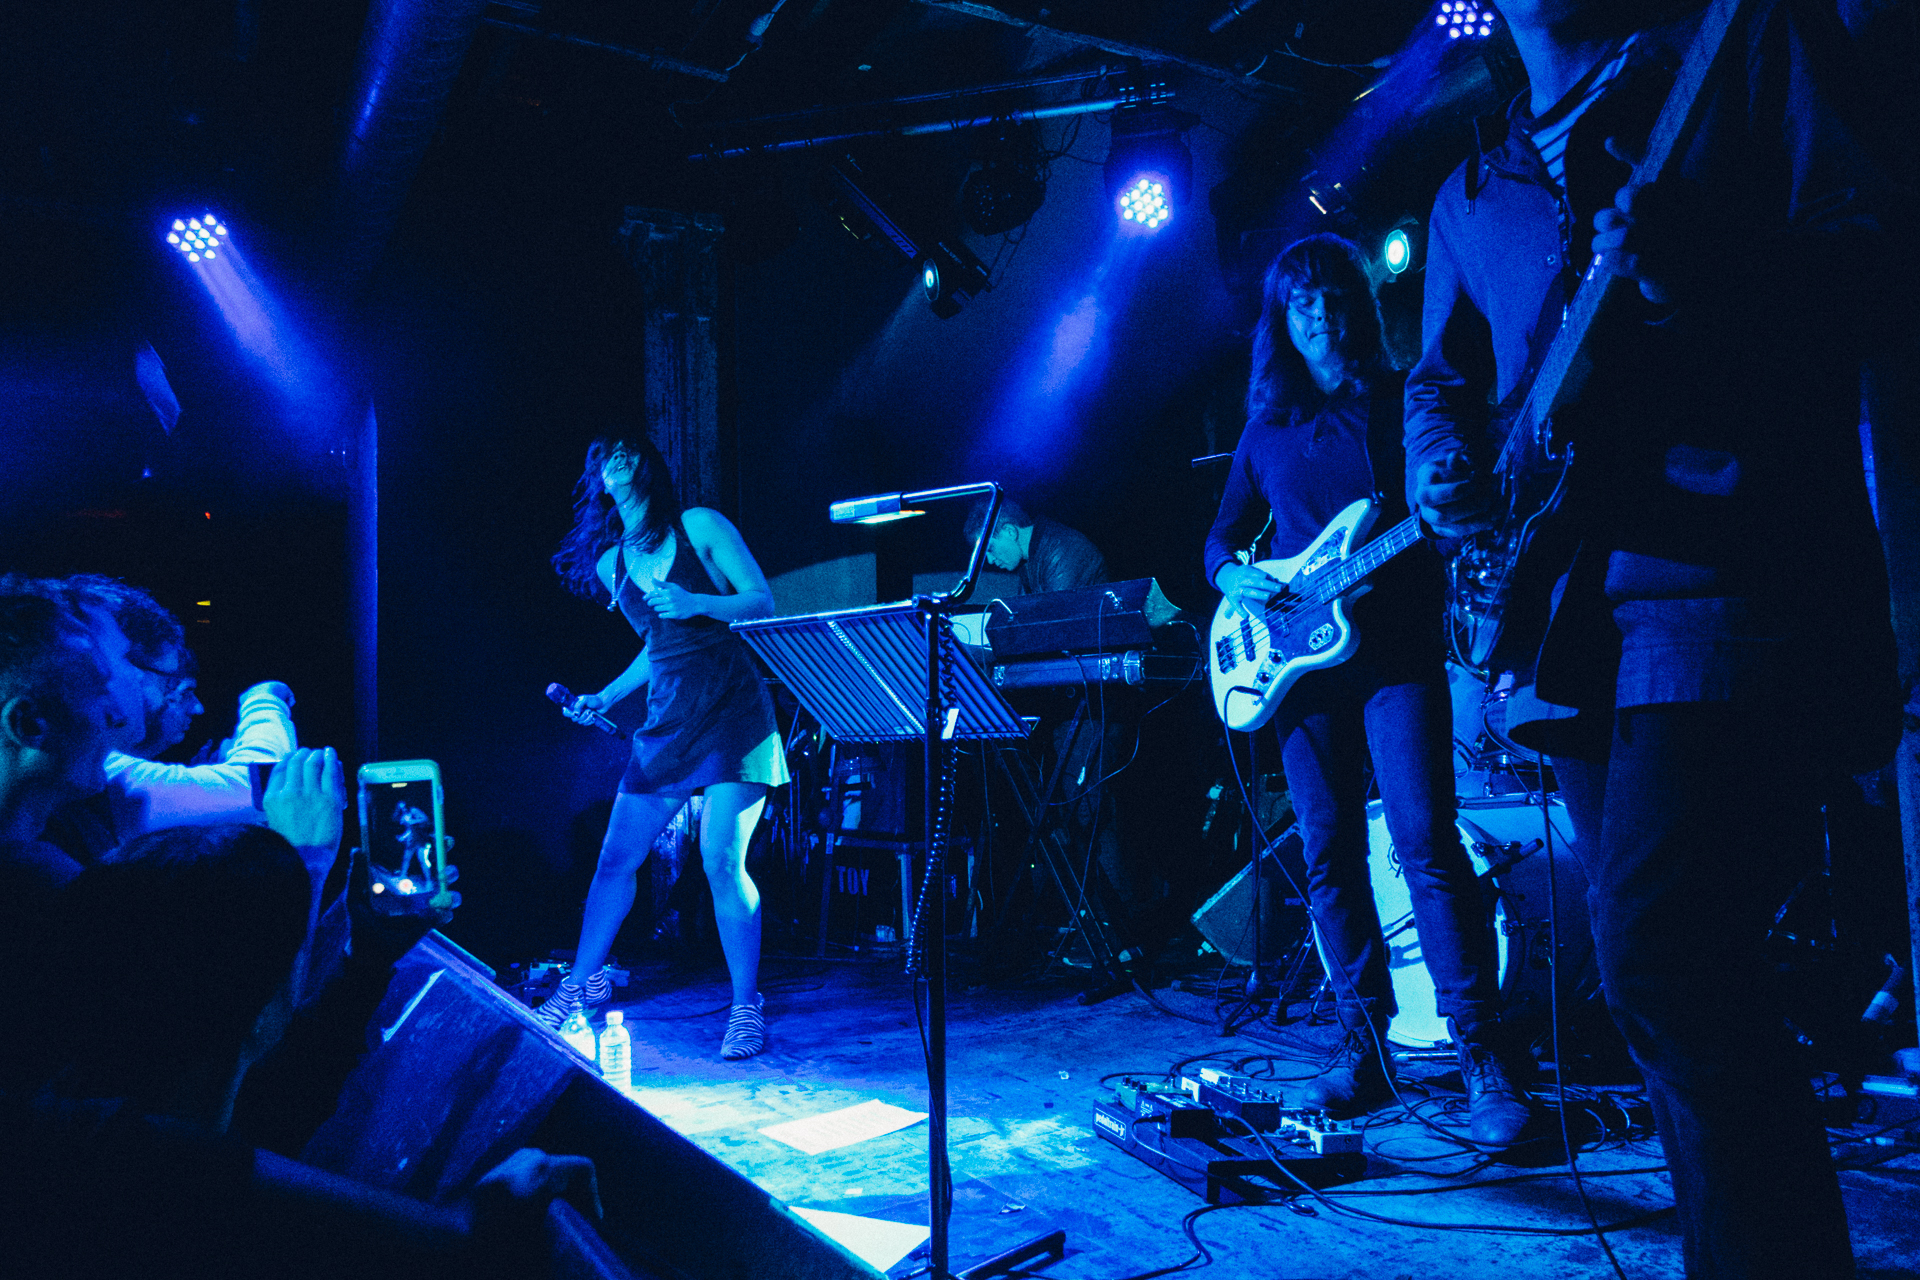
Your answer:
<point x="1518" y="836"/>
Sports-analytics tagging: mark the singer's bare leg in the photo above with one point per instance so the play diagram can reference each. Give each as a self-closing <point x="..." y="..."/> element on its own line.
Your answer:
<point x="636" y="823"/>
<point x="726" y="828"/>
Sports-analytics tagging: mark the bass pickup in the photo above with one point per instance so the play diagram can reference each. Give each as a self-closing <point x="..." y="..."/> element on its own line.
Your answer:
<point x="1132" y="666"/>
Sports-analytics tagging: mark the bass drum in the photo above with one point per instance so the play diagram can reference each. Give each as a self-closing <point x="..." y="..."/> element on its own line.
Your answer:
<point x="1506" y="839"/>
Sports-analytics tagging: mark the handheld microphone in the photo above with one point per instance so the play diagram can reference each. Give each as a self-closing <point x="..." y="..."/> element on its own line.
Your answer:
<point x="564" y="700"/>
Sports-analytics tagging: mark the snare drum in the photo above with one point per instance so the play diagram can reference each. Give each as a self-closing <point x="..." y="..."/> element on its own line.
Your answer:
<point x="1505" y="840"/>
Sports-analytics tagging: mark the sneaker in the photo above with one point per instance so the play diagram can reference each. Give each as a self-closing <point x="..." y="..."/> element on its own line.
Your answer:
<point x="1499" y="1110"/>
<point x="1358" y="1079"/>
<point x="598" y="989"/>
<point x="561" y="1005"/>
<point x="746" y="1030"/>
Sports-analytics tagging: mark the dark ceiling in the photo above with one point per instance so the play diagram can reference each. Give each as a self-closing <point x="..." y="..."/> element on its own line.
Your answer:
<point x="115" y="106"/>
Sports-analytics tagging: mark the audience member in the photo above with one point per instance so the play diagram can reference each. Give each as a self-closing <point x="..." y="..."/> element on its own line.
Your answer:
<point x="143" y="794"/>
<point x="60" y="712"/>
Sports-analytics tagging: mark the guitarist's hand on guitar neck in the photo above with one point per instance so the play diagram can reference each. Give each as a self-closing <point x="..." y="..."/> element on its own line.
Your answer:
<point x="1622" y="242"/>
<point x="1450" y="499"/>
<point x="1245" y="588"/>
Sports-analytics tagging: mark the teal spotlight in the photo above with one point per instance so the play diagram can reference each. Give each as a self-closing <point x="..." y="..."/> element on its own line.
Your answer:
<point x="1397" y="252"/>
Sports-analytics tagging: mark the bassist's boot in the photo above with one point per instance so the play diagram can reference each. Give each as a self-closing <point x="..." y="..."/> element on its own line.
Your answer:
<point x="1495" y="1072"/>
<point x="1360" y="1076"/>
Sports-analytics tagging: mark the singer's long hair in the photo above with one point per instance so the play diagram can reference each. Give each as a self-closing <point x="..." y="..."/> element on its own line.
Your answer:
<point x="596" y="522"/>
<point x="1282" y="390"/>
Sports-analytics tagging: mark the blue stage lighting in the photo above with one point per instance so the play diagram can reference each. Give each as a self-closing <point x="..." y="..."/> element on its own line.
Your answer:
<point x="1146" y="202"/>
<point x="197" y="238"/>
<point x="1464" y="18"/>
<point x="1148" y="167"/>
<point x="1397" y="252"/>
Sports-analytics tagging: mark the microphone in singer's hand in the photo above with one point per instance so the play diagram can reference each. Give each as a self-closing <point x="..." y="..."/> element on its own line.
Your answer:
<point x="564" y="700"/>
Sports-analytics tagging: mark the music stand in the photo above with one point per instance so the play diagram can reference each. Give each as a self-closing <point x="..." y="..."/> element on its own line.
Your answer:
<point x="880" y="675"/>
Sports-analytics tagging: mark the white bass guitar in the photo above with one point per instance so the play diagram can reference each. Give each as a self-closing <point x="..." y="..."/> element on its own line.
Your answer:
<point x="1255" y="658"/>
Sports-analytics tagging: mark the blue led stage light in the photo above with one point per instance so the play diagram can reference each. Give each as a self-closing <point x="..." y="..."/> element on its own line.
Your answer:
<point x="1464" y="18"/>
<point x="198" y="239"/>
<point x="1146" y="202"/>
<point x="1148" y="166"/>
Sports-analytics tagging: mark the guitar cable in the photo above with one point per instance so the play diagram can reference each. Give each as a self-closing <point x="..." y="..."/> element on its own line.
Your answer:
<point x="1553" y="1003"/>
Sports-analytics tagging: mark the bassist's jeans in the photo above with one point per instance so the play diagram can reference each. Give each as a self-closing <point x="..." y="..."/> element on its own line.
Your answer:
<point x="1338" y="716"/>
<point x="1693" y="824"/>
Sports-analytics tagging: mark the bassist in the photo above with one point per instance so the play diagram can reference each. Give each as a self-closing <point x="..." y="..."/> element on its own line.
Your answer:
<point x="1323" y="412"/>
<point x="1723" y="627"/>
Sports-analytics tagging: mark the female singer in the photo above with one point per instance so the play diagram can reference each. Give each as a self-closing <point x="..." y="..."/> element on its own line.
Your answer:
<point x="680" y="577"/>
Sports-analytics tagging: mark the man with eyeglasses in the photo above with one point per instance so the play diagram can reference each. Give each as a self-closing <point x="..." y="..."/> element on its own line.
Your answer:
<point x="143" y="794"/>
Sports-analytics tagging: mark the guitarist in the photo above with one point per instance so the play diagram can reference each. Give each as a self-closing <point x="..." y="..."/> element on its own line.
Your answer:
<point x="1723" y="627"/>
<point x="1323" y="426"/>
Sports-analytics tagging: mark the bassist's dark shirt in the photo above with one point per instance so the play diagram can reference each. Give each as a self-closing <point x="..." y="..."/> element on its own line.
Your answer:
<point x="1305" y="474"/>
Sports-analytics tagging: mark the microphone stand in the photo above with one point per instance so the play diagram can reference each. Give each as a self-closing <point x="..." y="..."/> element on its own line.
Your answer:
<point x="932" y="929"/>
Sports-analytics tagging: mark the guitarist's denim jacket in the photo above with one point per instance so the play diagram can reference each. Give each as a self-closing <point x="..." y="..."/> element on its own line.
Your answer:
<point x="1727" y="552"/>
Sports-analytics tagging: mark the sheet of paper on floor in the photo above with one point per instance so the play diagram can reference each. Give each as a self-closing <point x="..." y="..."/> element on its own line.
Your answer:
<point x="843" y="1128"/>
<point x="874" y="1241"/>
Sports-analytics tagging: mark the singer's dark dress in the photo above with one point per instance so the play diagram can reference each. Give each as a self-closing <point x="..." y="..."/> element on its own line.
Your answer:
<point x="708" y="716"/>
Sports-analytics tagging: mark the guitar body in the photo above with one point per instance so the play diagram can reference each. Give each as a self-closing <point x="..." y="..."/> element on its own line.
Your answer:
<point x="1499" y="582"/>
<point x="1254" y="659"/>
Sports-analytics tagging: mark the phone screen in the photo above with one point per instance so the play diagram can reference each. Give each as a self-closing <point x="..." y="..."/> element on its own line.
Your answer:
<point x="400" y="836"/>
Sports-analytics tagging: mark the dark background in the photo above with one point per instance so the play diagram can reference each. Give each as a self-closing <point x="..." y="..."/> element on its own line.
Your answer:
<point x="497" y="329"/>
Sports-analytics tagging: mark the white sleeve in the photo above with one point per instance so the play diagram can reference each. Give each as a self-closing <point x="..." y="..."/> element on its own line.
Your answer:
<point x="265" y="728"/>
<point x="145" y="795"/>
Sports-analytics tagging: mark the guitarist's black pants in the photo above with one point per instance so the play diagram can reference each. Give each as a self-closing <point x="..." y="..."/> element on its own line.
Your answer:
<point x="1693" y="824"/>
<point x="1332" y="720"/>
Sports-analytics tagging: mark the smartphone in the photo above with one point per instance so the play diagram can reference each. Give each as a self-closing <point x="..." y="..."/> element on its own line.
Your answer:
<point x="402" y="826"/>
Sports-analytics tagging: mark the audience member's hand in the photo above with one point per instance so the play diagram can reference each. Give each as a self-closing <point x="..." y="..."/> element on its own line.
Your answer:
<point x="387" y="925"/>
<point x="304" y="801"/>
<point x="530" y="1178"/>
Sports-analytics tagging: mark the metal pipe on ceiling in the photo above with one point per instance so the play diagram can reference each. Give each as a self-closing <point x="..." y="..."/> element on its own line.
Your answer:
<point x="933" y="126"/>
<point x="655" y="61"/>
<point x="944" y="95"/>
<point x="1120" y="48"/>
<point x="410" y="53"/>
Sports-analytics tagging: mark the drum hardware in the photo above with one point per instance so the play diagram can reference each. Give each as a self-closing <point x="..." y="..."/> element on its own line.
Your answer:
<point x="1500" y="837"/>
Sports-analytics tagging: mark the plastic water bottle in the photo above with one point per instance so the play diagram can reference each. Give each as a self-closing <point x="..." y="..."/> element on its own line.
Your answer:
<point x="614" y="1064"/>
<point x="578" y="1033"/>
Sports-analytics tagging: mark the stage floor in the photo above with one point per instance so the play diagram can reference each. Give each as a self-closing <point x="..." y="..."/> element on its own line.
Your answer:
<point x="1025" y="1068"/>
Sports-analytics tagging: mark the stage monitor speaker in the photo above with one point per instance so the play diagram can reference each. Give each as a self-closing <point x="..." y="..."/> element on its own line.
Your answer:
<point x="464" y="1075"/>
<point x="1227" y="918"/>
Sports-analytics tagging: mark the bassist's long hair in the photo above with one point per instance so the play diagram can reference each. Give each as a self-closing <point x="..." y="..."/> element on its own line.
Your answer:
<point x="1280" y="389"/>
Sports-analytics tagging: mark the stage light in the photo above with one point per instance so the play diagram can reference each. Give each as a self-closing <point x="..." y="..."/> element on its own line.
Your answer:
<point x="1397" y="252"/>
<point x="1464" y="18"/>
<point x="197" y="238"/>
<point x="950" y="276"/>
<point x="1148" y="167"/>
<point x="1146" y="203"/>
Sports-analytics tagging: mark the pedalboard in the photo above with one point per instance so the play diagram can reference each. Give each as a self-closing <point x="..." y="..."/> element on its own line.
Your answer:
<point x="1227" y="1138"/>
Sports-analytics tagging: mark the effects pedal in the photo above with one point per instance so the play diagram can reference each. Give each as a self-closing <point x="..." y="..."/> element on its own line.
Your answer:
<point x="1260" y="1108"/>
<point x="1212" y="1148"/>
